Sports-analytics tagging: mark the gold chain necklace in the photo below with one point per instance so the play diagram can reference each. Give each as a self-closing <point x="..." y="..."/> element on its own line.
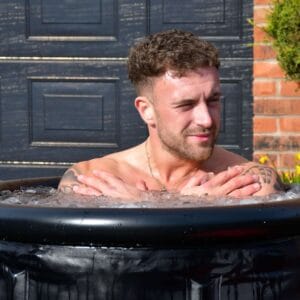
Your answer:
<point x="163" y="187"/>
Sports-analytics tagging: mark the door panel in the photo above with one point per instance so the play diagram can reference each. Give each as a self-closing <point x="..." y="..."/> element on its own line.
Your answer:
<point x="46" y="28"/>
<point x="58" y="20"/>
<point x="64" y="92"/>
<point x="66" y="111"/>
<point x="222" y="22"/>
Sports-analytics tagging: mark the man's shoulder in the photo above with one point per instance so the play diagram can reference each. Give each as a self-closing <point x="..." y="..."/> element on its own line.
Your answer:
<point x="113" y="163"/>
<point x="105" y="163"/>
<point x="222" y="159"/>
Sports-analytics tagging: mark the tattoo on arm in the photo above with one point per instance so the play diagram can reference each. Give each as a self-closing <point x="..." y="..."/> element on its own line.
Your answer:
<point x="267" y="175"/>
<point x="66" y="189"/>
<point x="68" y="181"/>
<point x="70" y="175"/>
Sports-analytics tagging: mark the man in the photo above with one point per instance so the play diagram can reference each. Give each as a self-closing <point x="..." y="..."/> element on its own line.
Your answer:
<point x="176" y="78"/>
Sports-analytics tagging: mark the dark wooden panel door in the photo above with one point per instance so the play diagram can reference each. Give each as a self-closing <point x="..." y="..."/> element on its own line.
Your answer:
<point x="64" y="92"/>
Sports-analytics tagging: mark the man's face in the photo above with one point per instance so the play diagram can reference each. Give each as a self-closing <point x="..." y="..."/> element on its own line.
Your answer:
<point x="187" y="111"/>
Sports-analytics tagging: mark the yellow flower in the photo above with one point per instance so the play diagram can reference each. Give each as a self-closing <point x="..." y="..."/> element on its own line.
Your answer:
<point x="263" y="159"/>
<point x="297" y="168"/>
<point x="297" y="156"/>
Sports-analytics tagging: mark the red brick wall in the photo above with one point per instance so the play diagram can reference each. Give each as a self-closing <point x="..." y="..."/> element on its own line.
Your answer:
<point x="276" y="121"/>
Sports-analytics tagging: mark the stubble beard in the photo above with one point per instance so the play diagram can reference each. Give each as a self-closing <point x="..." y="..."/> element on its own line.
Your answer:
<point x="178" y="146"/>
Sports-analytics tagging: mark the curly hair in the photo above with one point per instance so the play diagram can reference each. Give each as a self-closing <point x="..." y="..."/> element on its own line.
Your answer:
<point x="175" y="50"/>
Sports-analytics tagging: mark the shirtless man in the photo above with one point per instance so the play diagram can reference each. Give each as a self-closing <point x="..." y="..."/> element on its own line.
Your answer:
<point x="176" y="78"/>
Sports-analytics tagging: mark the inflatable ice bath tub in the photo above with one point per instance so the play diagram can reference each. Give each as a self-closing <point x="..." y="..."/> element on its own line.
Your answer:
<point x="228" y="252"/>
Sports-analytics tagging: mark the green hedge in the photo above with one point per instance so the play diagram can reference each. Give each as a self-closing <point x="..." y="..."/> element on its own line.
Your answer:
<point x="283" y="25"/>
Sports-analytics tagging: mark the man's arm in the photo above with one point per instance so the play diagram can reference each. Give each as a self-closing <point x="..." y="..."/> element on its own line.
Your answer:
<point x="69" y="180"/>
<point x="249" y="179"/>
<point x="269" y="179"/>
<point x="231" y="182"/>
<point x="107" y="184"/>
<point x="98" y="177"/>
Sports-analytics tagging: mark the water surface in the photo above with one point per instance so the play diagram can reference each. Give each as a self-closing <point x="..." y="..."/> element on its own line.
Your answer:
<point x="50" y="197"/>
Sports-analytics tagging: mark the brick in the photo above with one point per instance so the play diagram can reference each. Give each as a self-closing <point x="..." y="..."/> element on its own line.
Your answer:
<point x="265" y="143"/>
<point x="266" y="125"/>
<point x="276" y="143"/>
<point x="290" y="88"/>
<point x="260" y="36"/>
<point x="264" y="88"/>
<point x="290" y="124"/>
<point x="260" y="14"/>
<point x="268" y="69"/>
<point x="277" y="107"/>
<point x="287" y="160"/>
<point x="263" y="52"/>
<point x="290" y="142"/>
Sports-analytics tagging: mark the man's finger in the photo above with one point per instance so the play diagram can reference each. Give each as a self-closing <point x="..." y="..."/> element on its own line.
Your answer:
<point x="141" y="185"/>
<point x="95" y="183"/>
<point x="239" y="182"/>
<point x="87" y="191"/>
<point x="248" y="190"/>
<point x="224" y="177"/>
<point x="198" y="179"/>
<point x="108" y="177"/>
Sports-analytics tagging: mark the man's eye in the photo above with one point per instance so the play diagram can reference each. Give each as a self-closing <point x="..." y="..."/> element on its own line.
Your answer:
<point x="213" y="101"/>
<point x="185" y="106"/>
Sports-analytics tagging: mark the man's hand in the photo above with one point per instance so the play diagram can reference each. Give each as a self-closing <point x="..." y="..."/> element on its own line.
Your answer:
<point x="227" y="183"/>
<point x="104" y="183"/>
<point x="268" y="177"/>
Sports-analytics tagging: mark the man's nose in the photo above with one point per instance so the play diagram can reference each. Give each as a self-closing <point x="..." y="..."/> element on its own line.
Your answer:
<point x="202" y="116"/>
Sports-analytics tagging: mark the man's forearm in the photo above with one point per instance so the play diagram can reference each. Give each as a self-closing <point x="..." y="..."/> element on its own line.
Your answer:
<point x="68" y="181"/>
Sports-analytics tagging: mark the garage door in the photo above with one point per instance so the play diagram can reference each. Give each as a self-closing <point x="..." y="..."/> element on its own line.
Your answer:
<point x="64" y="92"/>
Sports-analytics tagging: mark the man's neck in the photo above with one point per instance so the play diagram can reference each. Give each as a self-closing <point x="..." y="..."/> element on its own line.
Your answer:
<point x="168" y="168"/>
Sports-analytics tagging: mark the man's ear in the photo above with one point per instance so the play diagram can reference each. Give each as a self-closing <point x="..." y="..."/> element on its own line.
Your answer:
<point x="145" y="108"/>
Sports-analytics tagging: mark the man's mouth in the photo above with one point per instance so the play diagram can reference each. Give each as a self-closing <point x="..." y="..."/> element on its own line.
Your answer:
<point x="202" y="137"/>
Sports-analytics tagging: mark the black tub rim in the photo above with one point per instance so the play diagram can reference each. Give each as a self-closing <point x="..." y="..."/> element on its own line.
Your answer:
<point x="139" y="227"/>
